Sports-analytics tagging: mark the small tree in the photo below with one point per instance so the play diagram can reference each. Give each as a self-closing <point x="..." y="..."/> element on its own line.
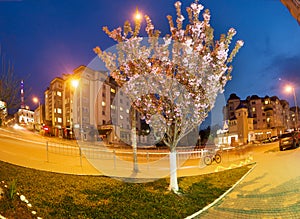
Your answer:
<point x="9" y="84"/>
<point x="173" y="81"/>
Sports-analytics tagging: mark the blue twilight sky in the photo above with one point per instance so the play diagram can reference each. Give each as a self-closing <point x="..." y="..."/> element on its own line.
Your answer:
<point x="46" y="38"/>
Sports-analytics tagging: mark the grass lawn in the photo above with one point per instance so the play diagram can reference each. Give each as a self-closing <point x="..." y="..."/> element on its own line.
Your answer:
<point x="54" y="195"/>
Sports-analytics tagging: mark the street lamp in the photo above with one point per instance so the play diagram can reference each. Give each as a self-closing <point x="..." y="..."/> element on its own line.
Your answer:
<point x="138" y="19"/>
<point x="36" y="100"/>
<point x="75" y="83"/>
<point x="291" y="89"/>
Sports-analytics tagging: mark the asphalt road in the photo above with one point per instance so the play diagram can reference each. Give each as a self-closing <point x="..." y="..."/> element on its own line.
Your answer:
<point x="28" y="149"/>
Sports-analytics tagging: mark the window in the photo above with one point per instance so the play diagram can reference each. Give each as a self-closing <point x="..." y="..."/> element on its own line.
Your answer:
<point x="112" y="90"/>
<point x="103" y="103"/>
<point x="59" y="110"/>
<point x="253" y="109"/>
<point x="59" y="120"/>
<point x="112" y="106"/>
<point x="103" y="113"/>
<point x="121" y="117"/>
<point x="121" y="108"/>
<point x="58" y="93"/>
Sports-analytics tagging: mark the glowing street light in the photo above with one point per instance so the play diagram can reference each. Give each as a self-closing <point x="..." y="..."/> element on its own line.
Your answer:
<point x="138" y="19"/>
<point x="137" y="15"/>
<point x="289" y="88"/>
<point x="75" y="83"/>
<point x="37" y="101"/>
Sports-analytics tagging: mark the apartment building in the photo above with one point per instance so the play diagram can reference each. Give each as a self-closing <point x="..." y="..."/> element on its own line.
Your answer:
<point x="54" y="107"/>
<point x="255" y="118"/>
<point x="95" y="108"/>
<point x="39" y="114"/>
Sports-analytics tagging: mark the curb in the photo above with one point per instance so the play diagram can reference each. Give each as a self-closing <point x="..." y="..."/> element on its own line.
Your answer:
<point x="222" y="196"/>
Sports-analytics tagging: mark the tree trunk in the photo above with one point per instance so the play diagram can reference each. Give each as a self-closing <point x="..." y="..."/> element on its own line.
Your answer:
<point x="133" y="142"/>
<point x="173" y="171"/>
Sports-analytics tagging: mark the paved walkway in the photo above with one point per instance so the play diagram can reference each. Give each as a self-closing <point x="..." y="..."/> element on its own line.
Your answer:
<point x="270" y="190"/>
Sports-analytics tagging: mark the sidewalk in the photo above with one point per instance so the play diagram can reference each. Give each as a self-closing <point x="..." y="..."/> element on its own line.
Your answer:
<point x="270" y="190"/>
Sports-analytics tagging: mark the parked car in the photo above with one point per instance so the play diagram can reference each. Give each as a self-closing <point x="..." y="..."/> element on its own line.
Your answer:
<point x="274" y="138"/>
<point x="288" y="140"/>
<point x="267" y="140"/>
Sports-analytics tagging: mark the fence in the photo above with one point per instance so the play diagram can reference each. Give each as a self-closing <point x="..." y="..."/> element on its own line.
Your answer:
<point x="145" y="156"/>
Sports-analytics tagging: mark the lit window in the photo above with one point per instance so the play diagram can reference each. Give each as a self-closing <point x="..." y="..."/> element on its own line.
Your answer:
<point x="127" y="111"/>
<point x="253" y="109"/>
<point x="103" y="103"/>
<point x="58" y="93"/>
<point x="59" y="110"/>
<point x="112" y="106"/>
<point x="121" y="117"/>
<point x="266" y="102"/>
<point x="121" y="108"/>
<point x="112" y="90"/>
<point x="59" y="119"/>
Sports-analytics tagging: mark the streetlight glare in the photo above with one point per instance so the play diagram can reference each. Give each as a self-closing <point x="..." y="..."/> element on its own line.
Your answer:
<point x="288" y="88"/>
<point x="75" y="83"/>
<point x="35" y="100"/>
<point x="137" y="15"/>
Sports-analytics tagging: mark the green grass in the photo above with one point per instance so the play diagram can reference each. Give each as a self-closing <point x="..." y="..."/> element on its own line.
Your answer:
<point x="55" y="195"/>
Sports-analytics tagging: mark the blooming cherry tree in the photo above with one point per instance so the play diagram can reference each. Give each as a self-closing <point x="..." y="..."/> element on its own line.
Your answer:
<point x="175" y="78"/>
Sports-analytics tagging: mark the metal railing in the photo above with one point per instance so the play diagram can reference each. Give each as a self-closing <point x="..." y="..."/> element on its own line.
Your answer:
<point x="101" y="152"/>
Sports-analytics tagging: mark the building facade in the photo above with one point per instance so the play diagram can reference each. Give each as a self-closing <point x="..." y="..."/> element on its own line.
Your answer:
<point x="255" y="118"/>
<point x="96" y="108"/>
<point x="54" y="107"/>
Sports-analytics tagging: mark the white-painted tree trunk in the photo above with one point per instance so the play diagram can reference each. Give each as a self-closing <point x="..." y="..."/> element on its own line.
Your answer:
<point x="134" y="143"/>
<point x="173" y="172"/>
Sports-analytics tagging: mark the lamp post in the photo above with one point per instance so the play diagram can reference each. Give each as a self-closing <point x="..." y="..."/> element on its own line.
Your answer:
<point x="137" y="20"/>
<point x="75" y="84"/>
<point x="37" y="100"/>
<point x="289" y="89"/>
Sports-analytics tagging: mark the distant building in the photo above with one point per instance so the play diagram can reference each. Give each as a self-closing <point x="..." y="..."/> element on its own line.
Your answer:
<point x="25" y="117"/>
<point x="255" y="118"/>
<point x="54" y="106"/>
<point x="3" y="111"/>
<point x="294" y="120"/>
<point x="38" y="117"/>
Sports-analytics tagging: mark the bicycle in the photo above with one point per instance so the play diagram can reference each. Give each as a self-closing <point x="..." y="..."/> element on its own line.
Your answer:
<point x="208" y="159"/>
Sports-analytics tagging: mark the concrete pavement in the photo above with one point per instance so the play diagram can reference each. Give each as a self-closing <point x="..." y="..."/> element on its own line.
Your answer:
<point x="270" y="190"/>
